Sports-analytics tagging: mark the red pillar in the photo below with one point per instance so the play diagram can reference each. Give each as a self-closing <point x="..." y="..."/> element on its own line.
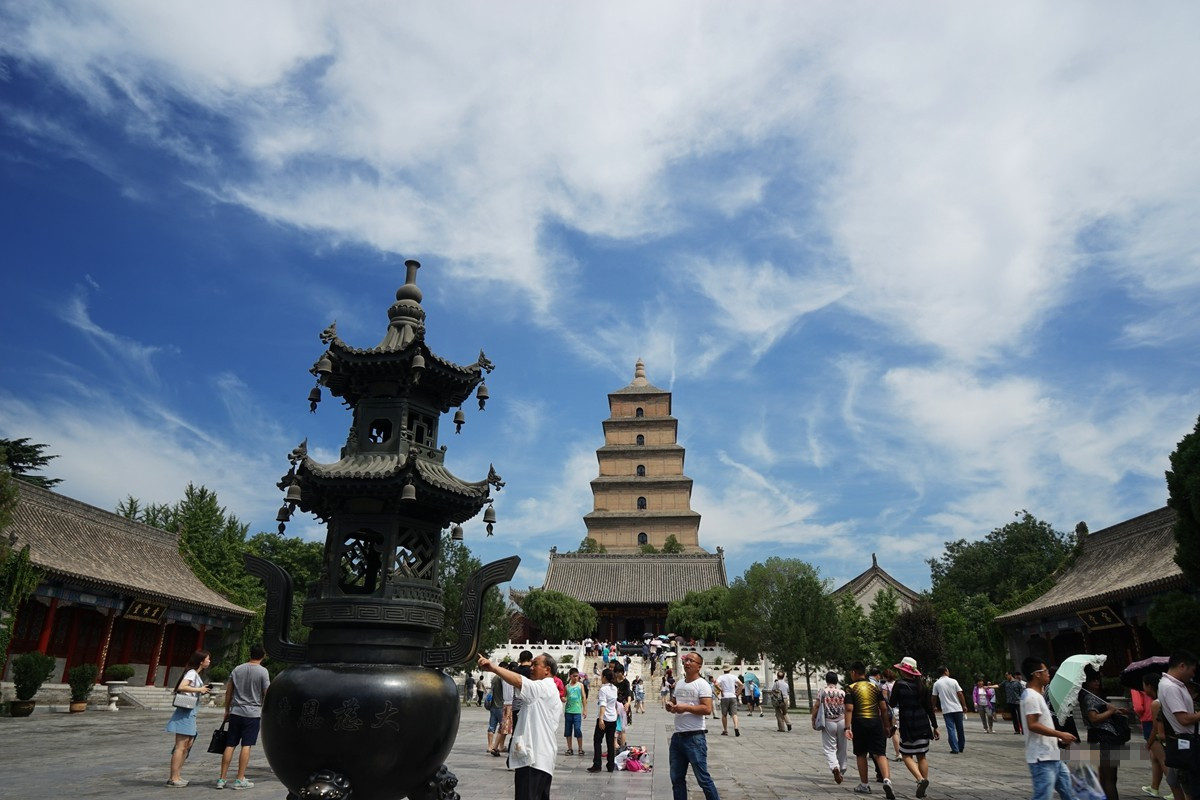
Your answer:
<point x="152" y="672"/>
<point x="105" y="644"/>
<point x="47" y="626"/>
<point x="72" y="636"/>
<point x="200" y="638"/>
<point x="170" y="654"/>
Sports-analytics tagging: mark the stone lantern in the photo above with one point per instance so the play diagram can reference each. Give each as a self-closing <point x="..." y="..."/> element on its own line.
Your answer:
<point x="365" y="712"/>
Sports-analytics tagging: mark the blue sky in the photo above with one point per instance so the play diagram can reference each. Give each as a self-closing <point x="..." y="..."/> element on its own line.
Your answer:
<point x="907" y="268"/>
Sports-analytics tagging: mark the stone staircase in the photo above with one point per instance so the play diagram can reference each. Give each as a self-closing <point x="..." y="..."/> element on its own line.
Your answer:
<point x="156" y="698"/>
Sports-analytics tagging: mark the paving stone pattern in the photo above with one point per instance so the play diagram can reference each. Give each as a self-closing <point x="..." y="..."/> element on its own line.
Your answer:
<point x="100" y="754"/>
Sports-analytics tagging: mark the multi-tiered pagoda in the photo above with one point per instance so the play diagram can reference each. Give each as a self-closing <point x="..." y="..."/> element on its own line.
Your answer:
<point x="641" y="500"/>
<point x="641" y="495"/>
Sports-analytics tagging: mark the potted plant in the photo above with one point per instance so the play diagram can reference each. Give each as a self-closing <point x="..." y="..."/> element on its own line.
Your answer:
<point x="30" y="671"/>
<point x="82" y="679"/>
<point x="118" y="673"/>
<point x="118" y="676"/>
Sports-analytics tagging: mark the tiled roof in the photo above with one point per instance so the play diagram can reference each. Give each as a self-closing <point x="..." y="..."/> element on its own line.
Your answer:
<point x="655" y="579"/>
<point x="856" y="585"/>
<point x="381" y="466"/>
<point x="1130" y="559"/>
<point x="94" y="547"/>
<point x="645" y="388"/>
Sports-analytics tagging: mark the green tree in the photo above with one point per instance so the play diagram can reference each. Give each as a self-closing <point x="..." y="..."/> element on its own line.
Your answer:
<point x="1174" y="619"/>
<point x="854" y="635"/>
<point x="299" y="558"/>
<point x="698" y="615"/>
<point x="974" y="642"/>
<point x="1183" y="488"/>
<point x="781" y="608"/>
<point x="648" y="549"/>
<point x="18" y="576"/>
<point x="590" y="545"/>
<point x="21" y="459"/>
<point x="8" y="497"/>
<point x="885" y="607"/>
<point x="558" y="616"/>
<point x="918" y="633"/>
<point x="672" y="545"/>
<point x="1002" y="564"/>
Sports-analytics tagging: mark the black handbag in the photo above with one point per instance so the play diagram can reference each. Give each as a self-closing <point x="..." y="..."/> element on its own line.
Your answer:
<point x="1182" y="750"/>
<point x="217" y="743"/>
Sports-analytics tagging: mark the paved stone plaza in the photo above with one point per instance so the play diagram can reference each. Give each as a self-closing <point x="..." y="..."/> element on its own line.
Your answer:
<point x="124" y="755"/>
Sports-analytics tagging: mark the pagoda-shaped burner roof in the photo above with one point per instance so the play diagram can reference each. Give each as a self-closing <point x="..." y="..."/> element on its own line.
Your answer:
<point x="354" y="372"/>
<point x="383" y="467"/>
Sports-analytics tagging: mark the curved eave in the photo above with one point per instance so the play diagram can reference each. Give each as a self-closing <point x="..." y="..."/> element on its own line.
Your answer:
<point x="1156" y="586"/>
<point x="634" y="481"/>
<point x="634" y="516"/>
<point x="171" y="600"/>
<point x="454" y="382"/>
<point x="389" y="470"/>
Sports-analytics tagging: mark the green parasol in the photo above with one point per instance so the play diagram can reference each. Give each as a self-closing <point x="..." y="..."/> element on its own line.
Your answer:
<point x="1063" y="691"/>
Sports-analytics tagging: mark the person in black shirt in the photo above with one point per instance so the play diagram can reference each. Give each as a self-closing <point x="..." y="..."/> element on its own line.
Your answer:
<point x="624" y="701"/>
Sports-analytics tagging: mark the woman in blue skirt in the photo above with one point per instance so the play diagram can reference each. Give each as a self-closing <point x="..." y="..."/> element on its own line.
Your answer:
<point x="183" y="721"/>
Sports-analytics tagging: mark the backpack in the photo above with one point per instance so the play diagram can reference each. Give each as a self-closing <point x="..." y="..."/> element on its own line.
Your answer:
<point x="488" y="702"/>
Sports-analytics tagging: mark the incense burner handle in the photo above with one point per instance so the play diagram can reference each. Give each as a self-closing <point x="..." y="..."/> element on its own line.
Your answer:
<point x="471" y="621"/>
<point x="278" y="615"/>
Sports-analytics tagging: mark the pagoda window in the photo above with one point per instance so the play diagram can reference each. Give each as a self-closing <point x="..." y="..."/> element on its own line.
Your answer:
<point x="641" y="504"/>
<point x="359" y="562"/>
<point x="643" y="539"/>
<point x="380" y="431"/>
<point x="641" y="470"/>
<point x="641" y="440"/>
<point x="638" y="412"/>
<point x="423" y="428"/>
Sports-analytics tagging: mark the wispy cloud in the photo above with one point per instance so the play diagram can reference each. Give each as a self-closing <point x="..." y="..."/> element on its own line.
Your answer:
<point x="121" y="350"/>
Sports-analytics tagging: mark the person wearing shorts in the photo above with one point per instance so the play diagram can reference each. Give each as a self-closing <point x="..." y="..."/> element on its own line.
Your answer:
<point x="866" y="716"/>
<point x="575" y="711"/>
<point x="244" y="692"/>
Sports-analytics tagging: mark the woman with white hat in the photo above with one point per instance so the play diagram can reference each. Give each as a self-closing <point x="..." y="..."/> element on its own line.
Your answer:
<point x="918" y="724"/>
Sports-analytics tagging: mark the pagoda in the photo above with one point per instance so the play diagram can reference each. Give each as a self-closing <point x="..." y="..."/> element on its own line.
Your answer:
<point x="332" y="723"/>
<point x="641" y="496"/>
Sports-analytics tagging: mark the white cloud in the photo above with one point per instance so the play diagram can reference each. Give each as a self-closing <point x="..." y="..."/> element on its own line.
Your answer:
<point x="120" y="350"/>
<point x="749" y="510"/>
<point x="108" y="450"/>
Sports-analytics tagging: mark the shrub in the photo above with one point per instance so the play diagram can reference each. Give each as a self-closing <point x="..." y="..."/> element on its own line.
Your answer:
<point x="30" y="671"/>
<point x="119" y="672"/>
<point x="217" y="674"/>
<point x="82" y="678"/>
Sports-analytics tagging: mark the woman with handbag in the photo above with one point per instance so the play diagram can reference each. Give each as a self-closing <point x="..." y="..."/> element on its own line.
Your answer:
<point x="918" y="722"/>
<point x="1105" y="728"/>
<point x="183" y="722"/>
<point x="830" y="707"/>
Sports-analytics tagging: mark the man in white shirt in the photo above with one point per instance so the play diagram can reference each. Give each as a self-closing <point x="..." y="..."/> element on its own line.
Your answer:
<point x="1179" y="710"/>
<point x="691" y="705"/>
<point x="948" y="698"/>
<point x="729" y="686"/>
<point x="1041" y="738"/>
<point x="534" y="740"/>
